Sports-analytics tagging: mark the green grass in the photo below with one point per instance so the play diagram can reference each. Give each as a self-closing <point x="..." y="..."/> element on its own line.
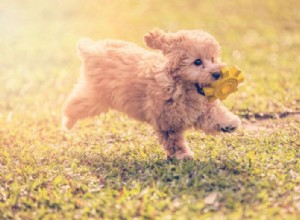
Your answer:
<point x="112" y="167"/>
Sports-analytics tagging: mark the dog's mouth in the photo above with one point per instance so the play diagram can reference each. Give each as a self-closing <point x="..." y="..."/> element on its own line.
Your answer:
<point x="199" y="88"/>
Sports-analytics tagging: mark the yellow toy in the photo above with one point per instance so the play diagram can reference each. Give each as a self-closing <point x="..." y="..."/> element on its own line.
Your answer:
<point x="227" y="84"/>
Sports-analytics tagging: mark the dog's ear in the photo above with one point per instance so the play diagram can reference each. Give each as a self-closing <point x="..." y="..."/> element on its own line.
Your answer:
<point x="159" y="40"/>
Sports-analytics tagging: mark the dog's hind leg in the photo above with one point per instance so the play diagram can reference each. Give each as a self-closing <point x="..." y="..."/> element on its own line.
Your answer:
<point x="80" y="104"/>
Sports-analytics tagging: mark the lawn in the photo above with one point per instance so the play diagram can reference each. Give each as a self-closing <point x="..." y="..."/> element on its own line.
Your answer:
<point x="111" y="167"/>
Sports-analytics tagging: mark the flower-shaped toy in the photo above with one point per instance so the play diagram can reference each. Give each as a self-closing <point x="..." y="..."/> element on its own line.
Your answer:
<point x="227" y="84"/>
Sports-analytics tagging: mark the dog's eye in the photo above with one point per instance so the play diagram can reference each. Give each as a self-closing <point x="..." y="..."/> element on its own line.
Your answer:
<point x="198" y="62"/>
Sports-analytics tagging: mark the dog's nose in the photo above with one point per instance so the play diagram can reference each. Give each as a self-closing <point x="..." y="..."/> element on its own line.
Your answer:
<point x="216" y="75"/>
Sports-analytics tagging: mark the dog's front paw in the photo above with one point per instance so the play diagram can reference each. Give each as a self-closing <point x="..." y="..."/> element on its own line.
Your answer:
<point x="230" y="126"/>
<point x="228" y="129"/>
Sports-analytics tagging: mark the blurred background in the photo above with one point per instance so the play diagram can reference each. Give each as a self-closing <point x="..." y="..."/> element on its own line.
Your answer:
<point x="39" y="65"/>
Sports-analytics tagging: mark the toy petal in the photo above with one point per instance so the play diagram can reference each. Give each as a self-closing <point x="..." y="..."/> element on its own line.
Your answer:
<point x="208" y="91"/>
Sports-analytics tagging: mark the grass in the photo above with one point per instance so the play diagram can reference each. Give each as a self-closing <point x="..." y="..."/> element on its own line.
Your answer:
<point x="112" y="167"/>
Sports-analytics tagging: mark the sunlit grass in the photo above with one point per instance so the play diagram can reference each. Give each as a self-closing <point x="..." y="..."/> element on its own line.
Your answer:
<point x="113" y="167"/>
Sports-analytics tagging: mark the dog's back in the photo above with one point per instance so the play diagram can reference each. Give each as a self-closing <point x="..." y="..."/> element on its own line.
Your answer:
<point x="114" y="74"/>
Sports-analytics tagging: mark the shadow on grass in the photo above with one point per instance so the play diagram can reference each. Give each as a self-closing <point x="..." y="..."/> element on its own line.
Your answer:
<point x="232" y="182"/>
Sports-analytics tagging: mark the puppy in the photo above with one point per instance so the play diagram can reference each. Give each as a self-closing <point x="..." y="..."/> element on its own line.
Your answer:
<point x="161" y="88"/>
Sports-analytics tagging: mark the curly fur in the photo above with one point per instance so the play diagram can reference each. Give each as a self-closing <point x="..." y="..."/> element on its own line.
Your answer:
<point x="154" y="87"/>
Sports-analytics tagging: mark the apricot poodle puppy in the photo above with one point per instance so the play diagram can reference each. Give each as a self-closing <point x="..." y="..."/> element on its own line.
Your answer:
<point x="161" y="88"/>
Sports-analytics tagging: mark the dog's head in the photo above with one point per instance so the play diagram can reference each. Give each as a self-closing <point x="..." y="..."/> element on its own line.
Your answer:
<point x="194" y="56"/>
